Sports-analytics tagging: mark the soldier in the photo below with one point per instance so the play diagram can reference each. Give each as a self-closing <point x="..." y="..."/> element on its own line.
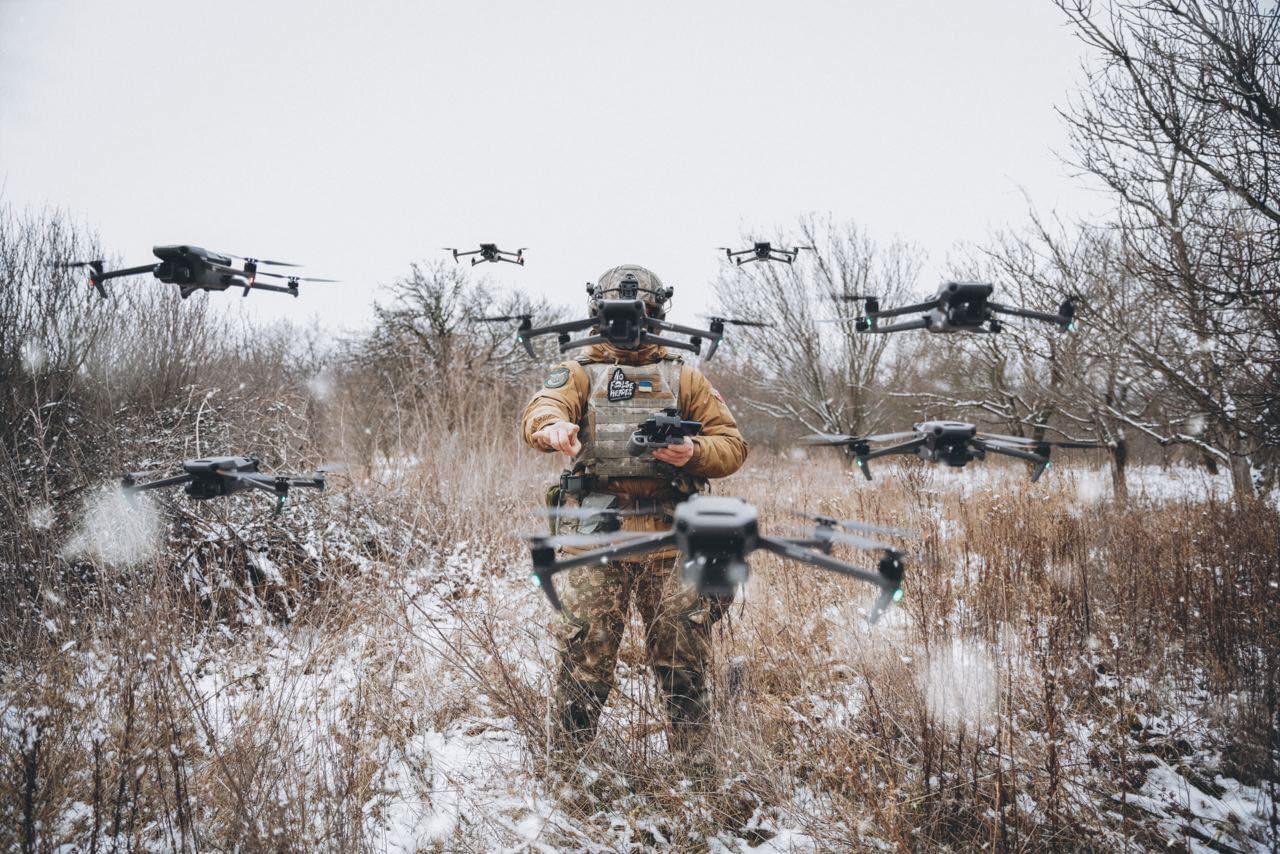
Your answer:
<point x="587" y="409"/>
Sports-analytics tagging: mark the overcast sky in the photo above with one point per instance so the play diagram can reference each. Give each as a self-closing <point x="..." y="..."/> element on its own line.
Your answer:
<point x="359" y="136"/>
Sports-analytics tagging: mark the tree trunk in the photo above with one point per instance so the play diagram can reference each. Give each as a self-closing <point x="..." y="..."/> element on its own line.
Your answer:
<point x="1242" y="478"/>
<point x="1119" y="474"/>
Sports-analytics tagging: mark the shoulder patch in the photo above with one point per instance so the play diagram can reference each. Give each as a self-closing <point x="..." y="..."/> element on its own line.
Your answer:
<point x="556" y="378"/>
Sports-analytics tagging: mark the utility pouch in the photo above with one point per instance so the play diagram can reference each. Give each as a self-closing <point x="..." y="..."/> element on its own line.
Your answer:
<point x="598" y="501"/>
<point x="576" y="485"/>
<point x="555" y="500"/>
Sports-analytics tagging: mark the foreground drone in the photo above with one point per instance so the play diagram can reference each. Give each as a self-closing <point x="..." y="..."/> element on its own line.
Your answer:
<point x="218" y="476"/>
<point x="763" y="251"/>
<point x="953" y="443"/>
<point x="491" y="253"/>
<point x="193" y="268"/>
<point x="625" y="323"/>
<point x="957" y="307"/>
<point x="715" y="535"/>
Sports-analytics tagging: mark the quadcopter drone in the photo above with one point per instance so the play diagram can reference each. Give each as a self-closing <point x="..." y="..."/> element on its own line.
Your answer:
<point x="953" y="443"/>
<point x="193" y="268"/>
<point x="763" y="251"/>
<point x="956" y="307"/>
<point x="624" y="322"/>
<point x="491" y="253"/>
<point x="715" y="535"/>
<point x="214" y="477"/>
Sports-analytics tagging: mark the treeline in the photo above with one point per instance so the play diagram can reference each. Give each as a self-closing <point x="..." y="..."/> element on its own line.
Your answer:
<point x="1179" y="122"/>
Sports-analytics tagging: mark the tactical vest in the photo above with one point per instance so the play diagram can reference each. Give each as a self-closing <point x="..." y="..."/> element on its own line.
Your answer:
<point x="621" y="397"/>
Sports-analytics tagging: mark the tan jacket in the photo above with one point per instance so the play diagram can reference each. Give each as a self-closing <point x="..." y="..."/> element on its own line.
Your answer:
<point x="719" y="450"/>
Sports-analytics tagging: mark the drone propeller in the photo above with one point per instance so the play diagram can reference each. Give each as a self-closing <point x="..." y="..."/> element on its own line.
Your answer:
<point x="587" y="513"/>
<point x="296" y="278"/>
<point x="259" y="261"/>
<point x="503" y="318"/>
<point x="96" y="268"/>
<point x="853" y="525"/>
<point x="584" y="541"/>
<point x="734" y="322"/>
<point x="843" y="439"/>
<point x="1016" y="440"/>
<point x="854" y="540"/>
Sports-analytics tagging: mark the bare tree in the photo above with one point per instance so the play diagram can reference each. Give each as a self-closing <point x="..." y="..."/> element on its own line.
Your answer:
<point x="822" y="375"/>
<point x="428" y="359"/>
<point x="1180" y="123"/>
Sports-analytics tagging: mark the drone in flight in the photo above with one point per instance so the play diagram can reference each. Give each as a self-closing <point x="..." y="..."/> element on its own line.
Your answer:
<point x="624" y="322"/>
<point x="956" y="307"/>
<point x="193" y="268"/>
<point x="214" y="477"/>
<point x="715" y="535"/>
<point x="953" y="443"/>
<point x="491" y="253"/>
<point x="763" y="251"/>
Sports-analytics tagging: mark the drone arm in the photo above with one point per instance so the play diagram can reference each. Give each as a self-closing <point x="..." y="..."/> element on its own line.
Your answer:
<point x="265" y="482"/>
<point x="259" y="286"/>
<point x="650" y="338"/>
<point x="908" y="447"/>
<point x="127" y="271"/>
<point x="662" y="325"/>
<point x="905" y="309"/>
<point x="1019" y="453"/>
<point x="159" y="484"/>
<point x="545" y="566"/>
<point x="615" y="552"/>
<point x="792" y="550"/>
<point x="566" y="346"/>
<point x="556" y="328"/>
<point x="902" y="448"/>
<point x="918" y="323"/>
<point x="888" y="579"/>
<point x="316" y="482"/>
<point x="822" y="544"/>
<point x="1058" y="319"/>
<point x="1041" y="462"/>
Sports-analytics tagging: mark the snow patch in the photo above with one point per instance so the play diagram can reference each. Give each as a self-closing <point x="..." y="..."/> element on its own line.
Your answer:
<point x="959" y="685"/>
<point x="115" y="530"/>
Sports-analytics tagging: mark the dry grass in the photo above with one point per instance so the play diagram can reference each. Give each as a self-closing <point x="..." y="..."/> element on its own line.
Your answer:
<point x="1051" y="652"/>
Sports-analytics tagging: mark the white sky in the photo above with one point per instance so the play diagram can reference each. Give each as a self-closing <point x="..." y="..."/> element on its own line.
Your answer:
<point x="359" y="136"/>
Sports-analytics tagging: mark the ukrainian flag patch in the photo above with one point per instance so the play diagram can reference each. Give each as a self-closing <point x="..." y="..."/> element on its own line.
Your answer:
<point x="644" y="385"/>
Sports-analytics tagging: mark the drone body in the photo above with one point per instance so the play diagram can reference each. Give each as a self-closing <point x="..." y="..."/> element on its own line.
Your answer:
<point x="491" y="253"/>
<point x="956" y="307"/>
<point x="217" y="477"/>
<point x="715" y="535"/>
<point x="194" y="268"/>
<point x="952" y="443"/>
<point x="622" y="323"/>
<point x="761" y="251"/>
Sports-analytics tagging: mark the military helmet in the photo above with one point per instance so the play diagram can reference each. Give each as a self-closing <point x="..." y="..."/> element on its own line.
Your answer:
<point x="631" y="281"/>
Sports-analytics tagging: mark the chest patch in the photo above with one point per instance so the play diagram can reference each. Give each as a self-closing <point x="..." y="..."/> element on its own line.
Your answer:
<point x="620" y="388"/>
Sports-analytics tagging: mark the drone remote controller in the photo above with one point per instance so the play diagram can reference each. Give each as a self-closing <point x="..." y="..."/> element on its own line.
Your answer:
<point x="662" y="430"/>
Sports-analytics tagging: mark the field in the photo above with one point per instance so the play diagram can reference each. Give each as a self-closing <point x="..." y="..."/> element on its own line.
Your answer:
<point x="370" y="672"/>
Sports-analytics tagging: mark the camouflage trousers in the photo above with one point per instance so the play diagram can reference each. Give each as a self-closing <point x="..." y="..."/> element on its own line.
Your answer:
<point x="677" y="634"/>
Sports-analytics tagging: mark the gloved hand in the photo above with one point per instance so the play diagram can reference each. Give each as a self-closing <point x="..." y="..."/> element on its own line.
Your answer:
<point x="560" y="436"/>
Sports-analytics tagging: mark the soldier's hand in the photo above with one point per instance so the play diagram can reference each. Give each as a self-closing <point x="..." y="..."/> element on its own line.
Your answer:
<point x="676" y="455"/>
<point x="560" y="436"/>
